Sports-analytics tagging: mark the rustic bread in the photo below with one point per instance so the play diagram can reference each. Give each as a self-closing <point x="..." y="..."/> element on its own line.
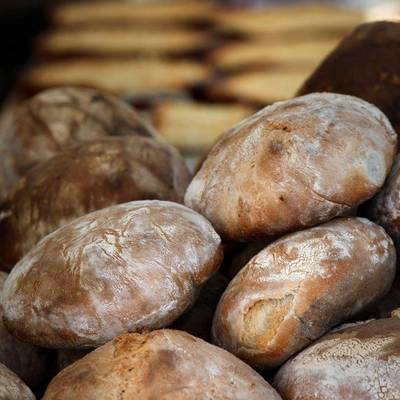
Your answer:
<point x="294" y="164"/>
<point x="85" y="178"/>
<point x="125" y="268"/>
<point x="117" y="12"/>
<point x="258" y="87"/>
<point x="357" y="362"/>
<point x="112" y="42"/>
<point x="364" y="65"/>
<point x="300" y="286"/>
<point x="164" y="364"/>
<point x="12" y="387"/>
<point x="194" y="126"/>
<point x="384" y="208"/>
<point x="43" y="125"/>
<point x="123" y="77"/>
<point x="32" y="364"/>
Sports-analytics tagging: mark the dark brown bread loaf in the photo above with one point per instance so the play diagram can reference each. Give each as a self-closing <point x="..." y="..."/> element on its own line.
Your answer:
<point x="292" y="165"/>
<point x="85" y="178"/>
<point x="164" y="364"/>
<point x="12" y="387"/>
<point x="58" y="118"/>
<point x="302" y="285"/>
<point x="357" y="362"/>
<point x="32" y="364"/>
<point x="364" y="65"/>
<point x="125" y="268"/>
<point x="384" y="208"/>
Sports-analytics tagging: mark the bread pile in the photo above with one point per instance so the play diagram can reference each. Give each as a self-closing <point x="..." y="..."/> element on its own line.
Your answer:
<point x="271" y="274"/>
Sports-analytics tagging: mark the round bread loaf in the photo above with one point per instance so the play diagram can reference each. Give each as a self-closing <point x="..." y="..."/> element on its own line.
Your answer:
<point x="357" y="362"/>
<point x="12" y="387"/>
<point x="29" y="362"/>
<point x="300" y="286"/>
<point x="164" y="364"/>
<point x="125" y="268"/>
<point x="85" y="178"/>
<point x="384" y="208"/>
<point x="56" y="119"/>
<point x="294" y="164"/>
<point x="364" y="65"/>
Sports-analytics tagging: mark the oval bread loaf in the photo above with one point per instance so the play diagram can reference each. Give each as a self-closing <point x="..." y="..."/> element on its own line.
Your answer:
<point x="164" y="364"/>
<point x="294" y="164"/>
<point x="358" y="362"/>
<point x="85" y="178"/>
<point x="58" y="118"/>
<point x="12" y="387"/>
<point x="300" y="286"/>
<point x="32" y="364"/>
<point x="125" y="268"/>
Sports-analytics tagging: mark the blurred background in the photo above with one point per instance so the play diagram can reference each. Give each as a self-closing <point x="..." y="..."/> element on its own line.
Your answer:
<point x="193" y="68"/>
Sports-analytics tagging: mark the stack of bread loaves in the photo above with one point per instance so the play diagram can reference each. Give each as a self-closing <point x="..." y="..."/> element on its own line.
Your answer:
<point x="113" y="289"/>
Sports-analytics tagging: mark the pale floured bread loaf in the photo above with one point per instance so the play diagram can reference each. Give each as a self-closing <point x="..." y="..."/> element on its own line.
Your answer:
<point x="260" y="86"/>
<point x="119" y="12"/>
<point x="32" y="364"/>
<point x="57" y="118"/>
<point x="396" y="313"/>
<point x="123" y="77"/>
<point x="357" y="362"/>
<point x="384" y="208"/>
<point x="294" y="164"/>
<point x="85" y="178"/>
<point x="111" y="42"/>
<point x="302" y="285"/>
<point x="125" y="268"/>
<point x="164" y="364"/>
<point x="194" y="126"/>
<point x="12" y="387"/>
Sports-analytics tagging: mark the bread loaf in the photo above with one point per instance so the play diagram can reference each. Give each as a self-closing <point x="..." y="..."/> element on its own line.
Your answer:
<point x="57" y="118"/>
<point x="164" y="364"/>
<point x="300" y="286"/>
<point x="32" y="364"/>
<point x="292" y="165"/>
<point x="364" y="65"/>
<point x="357" y="362"/>
<point x="85" y="178"/>
<point x="12" y="387"/>
<point x="384" y="208"/>
<point x="125" y="268"/>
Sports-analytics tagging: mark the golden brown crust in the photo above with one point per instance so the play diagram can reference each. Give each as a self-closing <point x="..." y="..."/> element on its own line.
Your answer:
<point x="83" y="179"/>
<point x="57" y="118"/>
<point x="125" y="268"/>
<point x="357" y="362"/>
<point x="164" y="364"/>
<point x="364" y="65"/>
<point x="12" y="387"/>
<point x="293" y="164"/>
<point x="300" y="286"/>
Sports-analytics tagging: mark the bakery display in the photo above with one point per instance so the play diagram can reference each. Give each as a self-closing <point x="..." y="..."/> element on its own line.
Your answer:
<point x="84" y="178"/>
<point x="356" y="362"/>
<point x="57" y="118"/>
<point x="131" y="267"/>
<point x="32" y="364"/>
<point x="374" y="46"/>
<point x="294" y="164"/>
<point x="164" y="364"/>
<point x="302" y="285"/>
<point x="12" y="387"/>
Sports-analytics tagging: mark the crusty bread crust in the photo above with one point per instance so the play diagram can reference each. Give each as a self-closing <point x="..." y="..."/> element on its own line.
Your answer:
<point x="164" y="364"/>
<point x="294" y="164"/>
<point x="85" y="178"/>
<point x="357" y="362"/>
<point x="12" y="387"/>
<point x="125" y="268"/>
<point x="300" y="286"/>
